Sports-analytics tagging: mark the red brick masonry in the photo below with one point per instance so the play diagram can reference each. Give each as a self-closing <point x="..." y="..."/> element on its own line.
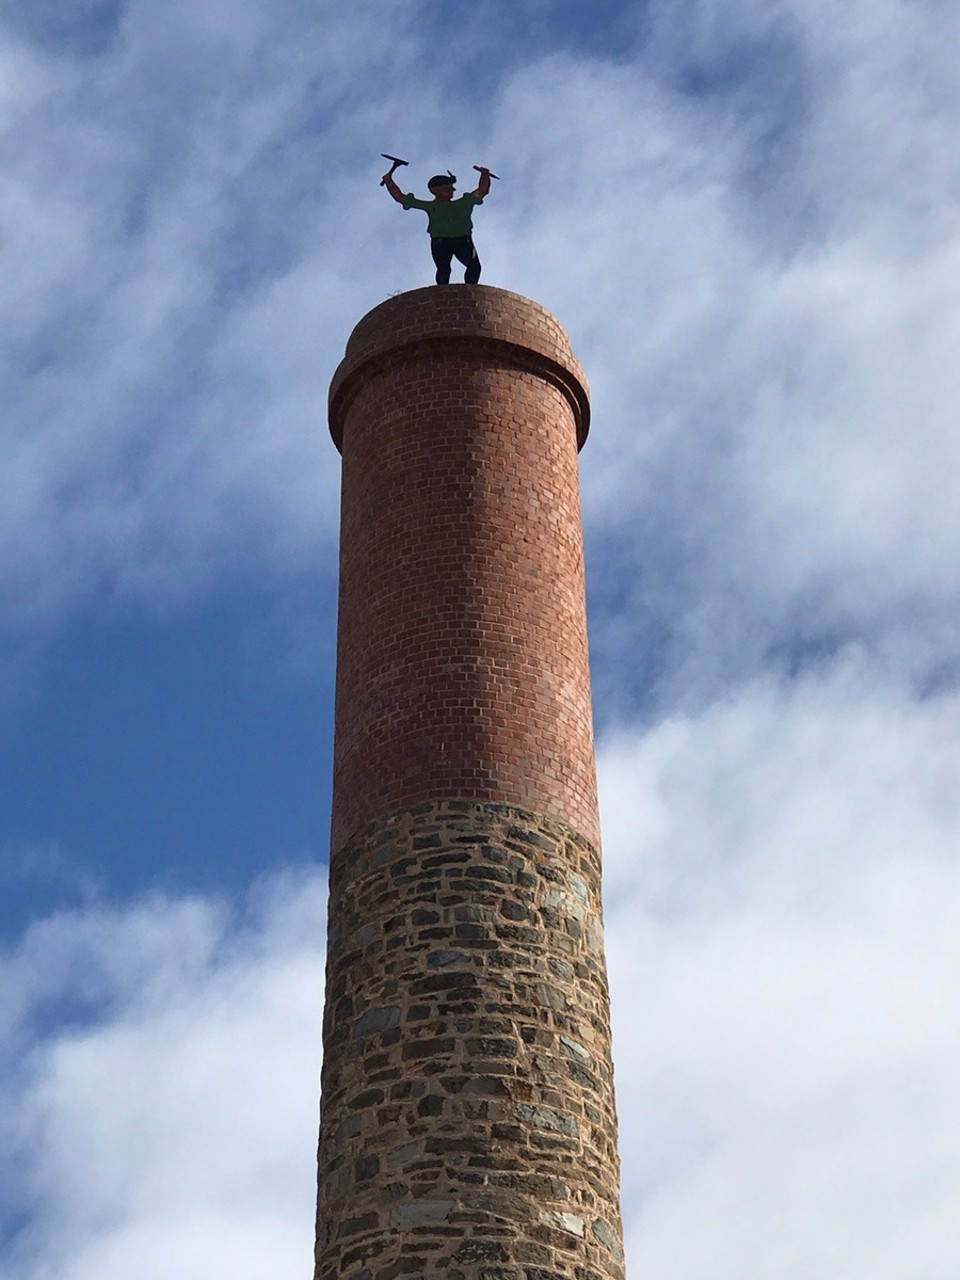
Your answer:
<point x="462" y="648"/>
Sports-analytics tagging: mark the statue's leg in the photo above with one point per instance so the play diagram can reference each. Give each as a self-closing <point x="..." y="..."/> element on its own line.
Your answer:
<point x="467" y="254"/>
<point x="442" y="251"/>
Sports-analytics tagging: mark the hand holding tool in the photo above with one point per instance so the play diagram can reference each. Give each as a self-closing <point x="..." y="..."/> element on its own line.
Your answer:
<point x="396" y="163"/>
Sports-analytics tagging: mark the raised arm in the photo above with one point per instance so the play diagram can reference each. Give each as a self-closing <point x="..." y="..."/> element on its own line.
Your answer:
<point x="394" y="190"/>
<point x="483" y="186"/>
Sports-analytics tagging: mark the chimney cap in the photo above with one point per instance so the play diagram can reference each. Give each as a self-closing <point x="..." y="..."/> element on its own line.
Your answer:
<point x="522" y="332"/>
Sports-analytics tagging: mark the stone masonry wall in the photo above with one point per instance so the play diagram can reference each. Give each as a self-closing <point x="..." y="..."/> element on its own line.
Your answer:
<point x="468" y="1128"/>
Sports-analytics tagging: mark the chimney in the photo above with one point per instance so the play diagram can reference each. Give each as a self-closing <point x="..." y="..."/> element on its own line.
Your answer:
<point x="468" y="1129"/>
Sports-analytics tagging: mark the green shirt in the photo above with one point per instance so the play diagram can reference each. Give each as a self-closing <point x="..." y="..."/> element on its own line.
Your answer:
<point x="448" y="219"/>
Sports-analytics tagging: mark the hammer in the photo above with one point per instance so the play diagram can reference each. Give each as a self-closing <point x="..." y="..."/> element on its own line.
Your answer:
<point x="396" y="163"/>
<point x="479" y="170"/>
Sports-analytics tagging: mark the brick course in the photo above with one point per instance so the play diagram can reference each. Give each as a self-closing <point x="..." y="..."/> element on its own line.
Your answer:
<point x="467" y="1120"/>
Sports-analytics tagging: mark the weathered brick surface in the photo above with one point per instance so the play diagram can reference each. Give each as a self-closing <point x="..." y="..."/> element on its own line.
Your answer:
<point x="462" y="649"/>
<point x="468" y="1126"/>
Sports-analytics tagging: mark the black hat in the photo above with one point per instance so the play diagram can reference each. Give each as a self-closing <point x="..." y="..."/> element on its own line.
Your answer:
<point x="442" y="180"/>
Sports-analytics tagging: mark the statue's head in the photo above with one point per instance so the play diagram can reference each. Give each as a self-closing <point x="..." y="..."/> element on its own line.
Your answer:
<point x="442" y="184"/>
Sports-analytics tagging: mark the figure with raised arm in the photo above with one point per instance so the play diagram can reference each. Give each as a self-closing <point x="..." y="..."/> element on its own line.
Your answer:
<point x="449" y="221"/>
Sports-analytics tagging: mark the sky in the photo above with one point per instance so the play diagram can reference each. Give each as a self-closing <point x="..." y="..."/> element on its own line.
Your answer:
<point x="747" y="216"/>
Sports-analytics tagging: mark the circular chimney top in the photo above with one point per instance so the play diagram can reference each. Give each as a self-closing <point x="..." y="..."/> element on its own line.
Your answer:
<point x="523" y="333"/>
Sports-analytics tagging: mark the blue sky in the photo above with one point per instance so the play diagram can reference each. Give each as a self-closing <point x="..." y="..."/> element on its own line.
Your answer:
<point x="746" y="216"/>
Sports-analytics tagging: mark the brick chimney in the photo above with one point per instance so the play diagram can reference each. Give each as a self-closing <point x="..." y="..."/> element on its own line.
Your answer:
<point x="468" y="1129"/>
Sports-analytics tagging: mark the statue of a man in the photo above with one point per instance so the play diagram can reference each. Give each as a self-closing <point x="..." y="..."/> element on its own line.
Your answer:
<point x="449" y="221"/>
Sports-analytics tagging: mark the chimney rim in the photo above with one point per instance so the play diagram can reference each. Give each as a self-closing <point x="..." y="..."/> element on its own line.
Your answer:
<point x="514" y="330"/>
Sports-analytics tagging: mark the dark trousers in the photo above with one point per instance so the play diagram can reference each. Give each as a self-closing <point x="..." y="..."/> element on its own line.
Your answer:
<point x="446" y="248"/>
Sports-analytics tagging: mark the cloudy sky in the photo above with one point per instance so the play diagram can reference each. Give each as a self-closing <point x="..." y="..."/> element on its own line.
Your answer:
<point x="747" y="215"/>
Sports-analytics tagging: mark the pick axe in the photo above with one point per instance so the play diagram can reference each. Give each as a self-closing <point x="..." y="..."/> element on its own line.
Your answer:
<point x="396" y="162"/>
<point x="479" y="170"/>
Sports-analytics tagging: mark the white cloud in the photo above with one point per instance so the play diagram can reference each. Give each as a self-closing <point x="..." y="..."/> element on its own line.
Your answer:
<point x="784" y="899"/>
<point x="165" y="1114"/>
<point x="179" y="253"/>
